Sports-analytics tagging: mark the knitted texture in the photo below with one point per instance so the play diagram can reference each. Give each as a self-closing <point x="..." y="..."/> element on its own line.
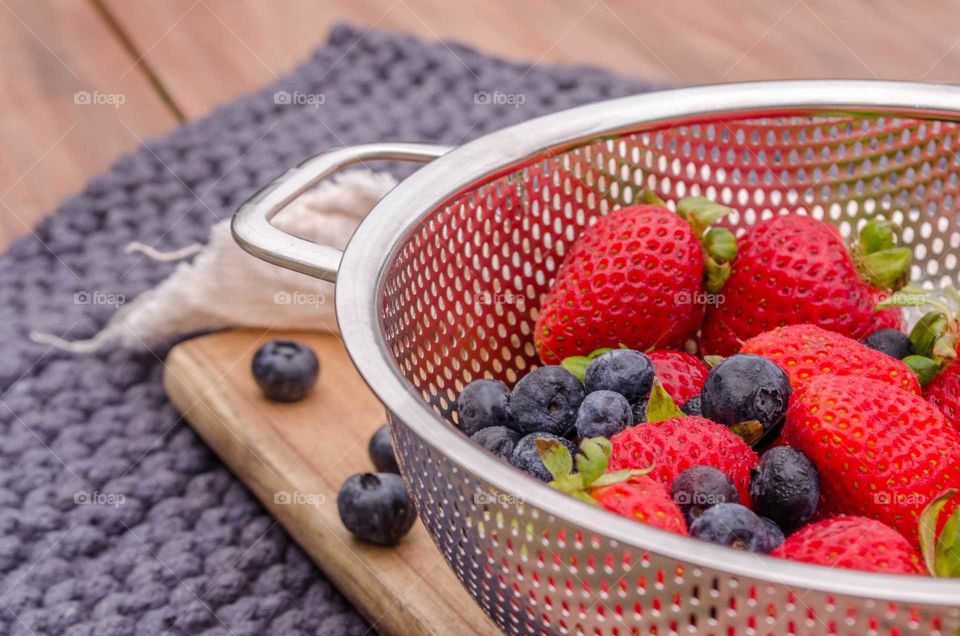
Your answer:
<point x="114" y="517"/>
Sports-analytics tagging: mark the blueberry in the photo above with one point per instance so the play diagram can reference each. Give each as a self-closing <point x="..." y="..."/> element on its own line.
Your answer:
<point x="546" y="401"/>
<point x="525" y="455"/>
<point x="747" y="387"/>
<point x="603" y="414"/>
<point x="376" y="507"/>
<point x="484" y="403"/>
<point x="639" y="410"/>
<point x="701" y="487"/>
<point x="693" y="406"/>
<point x="627" y="372"/>
<point x="499" y="440"/>
<point x="380" y="450"/>
<point x="785" y="487"/>
<point x="776" y="534"/>
<point x="891" y="342"/>
<point x="285" y="370"/>
<point x="735" y="526"/>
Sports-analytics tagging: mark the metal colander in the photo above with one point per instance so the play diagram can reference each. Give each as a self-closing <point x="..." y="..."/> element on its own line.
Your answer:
<point x="441" y="283"/>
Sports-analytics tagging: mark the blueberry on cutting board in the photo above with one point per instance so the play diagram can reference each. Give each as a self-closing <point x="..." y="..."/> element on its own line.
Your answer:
<point x="381" y="452"/>
<point x="285" y="370"/>
<point x="376" y="507"/>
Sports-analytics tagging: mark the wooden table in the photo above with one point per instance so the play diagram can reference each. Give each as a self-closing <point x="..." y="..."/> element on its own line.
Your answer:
<point x="174" y="60"/>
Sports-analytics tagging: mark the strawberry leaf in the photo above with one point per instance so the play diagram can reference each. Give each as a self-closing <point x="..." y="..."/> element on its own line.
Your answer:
<point x="947" y="561"/>
<point x="648" y="196"/>
<point x="555" y="457"/>
<point x="908" y="296"/>
<point x="750" y="431"/>
<point x="713" y="361"/>
<point x="609" y="479"/>
<point x="584" y="497"/>
<point x="928" y="330"/>
<point x="717" y="274"/>
<point x="928" y="530"/>
<point x="886" y="269"/>
<point x="660" y="406"/>
<point x="592" y="459"/>
<point x="577" y="365"/>
<point x="923" y="367"/>
<point x="945" y="348"/>
<point x="701" y="212"/>
<point x="720" y="244"/>
<point x="877" y="235"/>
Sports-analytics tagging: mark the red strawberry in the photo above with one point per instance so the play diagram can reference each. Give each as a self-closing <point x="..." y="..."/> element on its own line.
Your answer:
<point x="856" y="543"/>
<point x="887" y="318"/>
<point x="794" y="269"/>
<point x="642" y="499"/>
<point x="805" y="351"/>
<point x="676" y="444"/>
<point x="681" y="374"/>
<point x="634" y="279"/>
<point x="944" y="392"/>
<point x="882" y="453"/>
<point x="628" y="493"/>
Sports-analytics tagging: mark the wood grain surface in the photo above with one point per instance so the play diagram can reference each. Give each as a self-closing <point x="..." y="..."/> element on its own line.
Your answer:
<point x="294" y="457"/>
<point x="177" y="59"/>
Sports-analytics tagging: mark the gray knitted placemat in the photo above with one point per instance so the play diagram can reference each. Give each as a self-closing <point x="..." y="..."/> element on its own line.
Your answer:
<point x="115" y="518"/>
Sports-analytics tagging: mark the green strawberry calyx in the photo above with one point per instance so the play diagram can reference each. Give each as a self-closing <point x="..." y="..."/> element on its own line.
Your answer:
<point x="591" y="464"/>
<point x="879" y="259"/>
<point x="577" y="365"/>
<point x="936" y="335"/>
<point x="941" y="554"/>
<point x="660" y="406"/>
<point x="719" y="244"/>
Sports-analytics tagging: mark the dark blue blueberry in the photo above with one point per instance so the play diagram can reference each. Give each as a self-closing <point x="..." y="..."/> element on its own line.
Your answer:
<point x="484" y="403"/>
<point x="639" y="411"/>
<point x="699" y="488"/>
<point x="627" y="372"/>
<point x="285" y="370"/>
<point x="380" y="450"/>
<point x="776" y="534"/>
<point x="734" y="526"/>
<point x="603" y="414"/>
<point x="525" y="455"/>
<point x="693" y="406"/>
<point x="376" y="507"/>
<point x="891" y="342"/>
<point x="546" y="400"/>
<point x="785" y="487"/>
<point x="747" y="387"/>
<point x="499" y="440"/>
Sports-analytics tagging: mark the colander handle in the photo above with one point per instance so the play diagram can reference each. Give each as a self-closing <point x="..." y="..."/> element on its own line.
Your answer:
<point x="251" y="225"/>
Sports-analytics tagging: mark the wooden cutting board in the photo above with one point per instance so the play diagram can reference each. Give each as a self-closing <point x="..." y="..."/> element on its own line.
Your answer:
<point x="294" y="457"/>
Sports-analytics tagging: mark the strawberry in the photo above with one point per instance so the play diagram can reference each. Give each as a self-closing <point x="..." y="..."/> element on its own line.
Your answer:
<point x="794" y="269"/>
<point x="634" y="279"/>
<point x="805" y="351"/>
<point x="887" y="318"/>
<point x="857" y="543"/>
<point x="935" y="339"/>
<point x="944" y="392"/>
<point x="881" y="452"/>
<point x="671" y="442"/>
<point x="682" y="374"/>
<point x="628" y="493"/>
<point x="643" y="499"/>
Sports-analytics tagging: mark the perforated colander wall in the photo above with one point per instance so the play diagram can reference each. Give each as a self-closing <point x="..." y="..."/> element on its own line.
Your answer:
<point x="460" y="302"/>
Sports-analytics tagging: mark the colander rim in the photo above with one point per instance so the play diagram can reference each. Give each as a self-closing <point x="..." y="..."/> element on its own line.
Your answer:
<point x="375" y="243"/>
